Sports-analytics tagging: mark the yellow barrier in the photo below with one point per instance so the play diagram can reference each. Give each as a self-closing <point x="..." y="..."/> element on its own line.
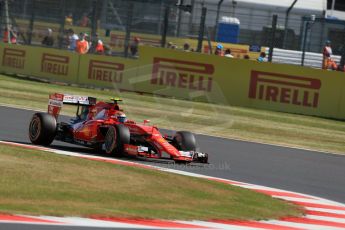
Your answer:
<point x="14" y="59"/>
<point x="107" y="72"/>
<point x="57" y="65"/>
<point x="52" y="64"/>
<point x="246" y="83"/>
<point x="191" y="76"/>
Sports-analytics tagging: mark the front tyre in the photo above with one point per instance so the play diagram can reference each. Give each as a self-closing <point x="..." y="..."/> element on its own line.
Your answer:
<point x="42" y="129"/>
<point x="184" y="141"/>
<point x="117" y="136"/>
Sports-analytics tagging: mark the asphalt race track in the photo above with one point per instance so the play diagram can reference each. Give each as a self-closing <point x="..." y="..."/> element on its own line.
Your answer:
<point x="303" y="171"/>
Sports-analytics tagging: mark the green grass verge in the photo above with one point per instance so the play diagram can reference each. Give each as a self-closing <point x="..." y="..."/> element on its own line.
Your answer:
<point x="225" y="121"/>
<point x="40" y="183"/>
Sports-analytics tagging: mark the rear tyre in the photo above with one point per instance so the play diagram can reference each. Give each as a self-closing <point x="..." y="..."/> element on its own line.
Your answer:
<point x="117" y="136"/>
<point x="42" y="129"/>
<point x="184" y="141"/>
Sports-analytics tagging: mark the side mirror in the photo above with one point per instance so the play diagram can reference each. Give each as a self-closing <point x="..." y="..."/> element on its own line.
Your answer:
<point x="146" y="121"/>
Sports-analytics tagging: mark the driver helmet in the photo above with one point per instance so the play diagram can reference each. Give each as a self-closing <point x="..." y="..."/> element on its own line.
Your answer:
<point x="219" y="46"/>
<point x="121" y="117"/>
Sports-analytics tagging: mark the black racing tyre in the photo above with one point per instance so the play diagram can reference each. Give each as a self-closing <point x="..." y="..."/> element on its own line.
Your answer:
<point x="115" y="139"/>
<point x="184" y="141"/>
<point x="42" y="129"/>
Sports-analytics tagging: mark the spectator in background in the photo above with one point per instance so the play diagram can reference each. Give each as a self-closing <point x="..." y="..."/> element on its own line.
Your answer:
<point x="170" y="44"/>
<point x="11" y="33"/>
<point x="107" y="49"/>
<point x="96" y="45"/>
<point x="331" y="64"/>
<point x="84" y="21"/>
<point x="82" y="44"/>
<point x="341" y="68"/>
<point x="186" y="47"/>
<point x="134" y="46"/>
<point x="13" y="36"/>
<point x="262" y="57"/>
<point x="100" y="47"/>
<point x="219" y="50"/>
<point x="327" y="53"/>
<point x="48" y="40"/>
<point x="228" y="53"/>
<point x="5" y="35"/>
<point x="73" y="38"/>
<point x="69" y="20"/>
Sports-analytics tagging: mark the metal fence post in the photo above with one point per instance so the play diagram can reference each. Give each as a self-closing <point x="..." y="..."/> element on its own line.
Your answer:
<point x="128" y="27"/>
<point x="190" y="29"/>
<point x="62" y="22"/>
<point x="94" y="19"/>
<point x="201" y="29"/>
<point x="165" y="26"/>
<point x="179" y="19"/>
<point x="7" y="21"/>
<point x="1" y="13"/>
<point x="273" y="36"/>
<point x="215" y="34"/>
<point x="342" y="60"/>
<point x="304" y="42"/>
<point x="32" y="20"/>
<point x="310" y="21"/>
<point x="287" y="22"/>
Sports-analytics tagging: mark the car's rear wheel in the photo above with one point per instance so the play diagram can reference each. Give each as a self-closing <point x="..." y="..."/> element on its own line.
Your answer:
<point x="42" y="129"/>
<point x="184" y="141"/>
<point x="117" y="136"/>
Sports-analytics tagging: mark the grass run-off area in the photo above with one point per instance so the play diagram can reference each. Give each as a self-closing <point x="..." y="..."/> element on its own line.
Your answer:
<point x="41" y="183"/>
<point x="225" y="121"/>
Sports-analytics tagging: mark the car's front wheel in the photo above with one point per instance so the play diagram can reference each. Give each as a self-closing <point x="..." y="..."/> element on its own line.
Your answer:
<point x="117" y="136"/>
<point x="42" y="129"/>
<point x="185" y="141"/>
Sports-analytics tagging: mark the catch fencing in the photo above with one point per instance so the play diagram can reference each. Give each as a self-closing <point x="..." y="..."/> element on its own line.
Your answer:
<point x="162" y="23"/>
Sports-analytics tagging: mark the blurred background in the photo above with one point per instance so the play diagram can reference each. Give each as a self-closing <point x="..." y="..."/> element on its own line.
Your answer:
<point x="300" y="25"/>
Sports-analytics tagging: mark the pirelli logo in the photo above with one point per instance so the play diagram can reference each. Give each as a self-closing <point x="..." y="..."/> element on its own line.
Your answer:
<point x="106" y="71"/>
<point x="287" y="89"/>
<point x="182" y="74"/>
<point x="54" y="64"/>
<point x="13" y="58"/>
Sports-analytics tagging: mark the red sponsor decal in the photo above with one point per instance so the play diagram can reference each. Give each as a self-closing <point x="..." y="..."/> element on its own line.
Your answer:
<point x="55" y="104"/>
<point x="106" y="71"/>
<point x="182" y="74"/>
<point x="288" y="89"/>
<point x="13" y="58"/>
<point x="56" y="96"/>
<point x="55" y="64"/>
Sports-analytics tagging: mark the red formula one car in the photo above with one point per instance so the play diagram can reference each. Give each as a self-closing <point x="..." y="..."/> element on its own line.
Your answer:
<point x="104" y="127"/>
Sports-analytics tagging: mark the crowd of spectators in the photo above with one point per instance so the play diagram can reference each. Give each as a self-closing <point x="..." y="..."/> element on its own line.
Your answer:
<point x="82" y="43"/>
<point x="219" y="51"/>
<point x="10" y="35"/>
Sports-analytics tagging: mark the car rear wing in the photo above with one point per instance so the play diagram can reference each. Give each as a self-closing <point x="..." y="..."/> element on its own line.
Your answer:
<point x="56" y="101"/>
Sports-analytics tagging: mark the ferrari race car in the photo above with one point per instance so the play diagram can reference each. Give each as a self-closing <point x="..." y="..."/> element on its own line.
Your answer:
<point x="104" y="127"/>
